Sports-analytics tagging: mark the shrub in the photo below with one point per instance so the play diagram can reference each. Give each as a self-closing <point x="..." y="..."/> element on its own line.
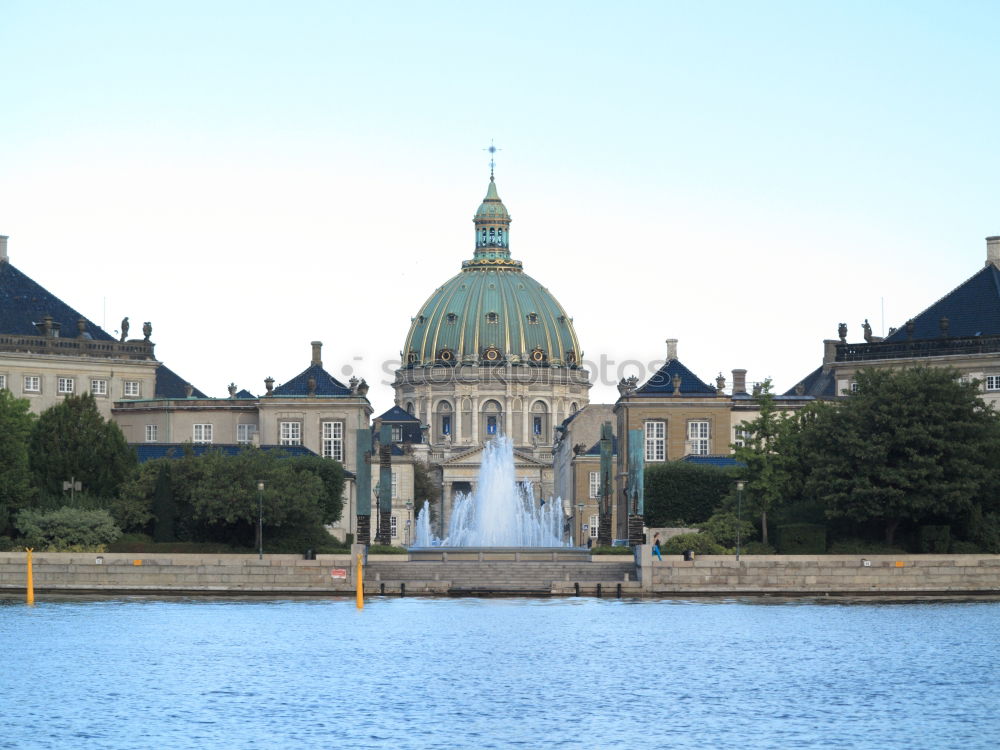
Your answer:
<point x="67" y="529"/>
<point x="757" y="548"/>
<point x="722" y="528"/>
<point x="985" y="531"/>
<point x="863" y="547"/>
<point x="700" y="544"/>
<point x="8" y="545"/>
<point x="935" y="539"/>
<point x="611" y="550"/>
<point x="802" y="539"/>
<point x="965" y="548"/>
<point x="683" y="494"/>
<point x="186" y="548"/>
<point x="295" y="540"/>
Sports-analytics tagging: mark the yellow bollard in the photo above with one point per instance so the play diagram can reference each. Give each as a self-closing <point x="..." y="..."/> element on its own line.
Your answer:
<point x="30" y="598"/>
<point x="360" y="583"/>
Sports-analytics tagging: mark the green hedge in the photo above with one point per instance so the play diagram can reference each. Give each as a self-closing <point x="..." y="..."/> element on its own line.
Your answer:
<point x="802" y="539"/>
<point x="683" y="494"/>
<point x="611" y="551"/>
<point x="66" y="529"/>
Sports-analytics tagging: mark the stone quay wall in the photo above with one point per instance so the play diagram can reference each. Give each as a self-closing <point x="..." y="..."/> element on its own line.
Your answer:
<point x="278" y="575"/>
<point x="819" y="574"/>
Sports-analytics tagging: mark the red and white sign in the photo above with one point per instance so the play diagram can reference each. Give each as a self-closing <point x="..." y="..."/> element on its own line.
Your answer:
<point x="338" y="573"/>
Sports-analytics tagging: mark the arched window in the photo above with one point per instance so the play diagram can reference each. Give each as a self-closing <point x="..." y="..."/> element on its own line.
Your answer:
<point x="493" y="239"/>
<point x="539" y="420"/>
<point x="444" y="421"/>
<point x="492" y="419"/>
<point x="483" y="240"/>
<point x="409" y="408"/>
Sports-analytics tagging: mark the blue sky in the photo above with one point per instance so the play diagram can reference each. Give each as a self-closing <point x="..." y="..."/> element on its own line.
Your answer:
<point x="740" y="176"/>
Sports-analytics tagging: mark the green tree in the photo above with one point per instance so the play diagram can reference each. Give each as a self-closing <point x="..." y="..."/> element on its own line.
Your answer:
<point x="73" y="440"/>
<point x="426" y="488"/>
<point x="331" y="473"/>
<point x="16" y="490"/>
<point x="67" y="529"/>
<point x="765" y="464"/>
<point x="907" y="445"/>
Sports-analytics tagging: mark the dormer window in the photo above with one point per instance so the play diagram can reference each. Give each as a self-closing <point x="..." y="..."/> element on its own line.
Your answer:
<point x="533" y="318"/>
<point x="451" y="318"/>
<point x="492" y="317"/>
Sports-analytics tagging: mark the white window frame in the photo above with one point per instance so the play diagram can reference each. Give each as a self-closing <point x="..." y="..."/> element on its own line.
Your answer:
<point x="656" y="440"/>
<point x="699" y="435"/>
<point x="32" y="384"/>
<point x="152" y="433"/>
<point x="393" y="527"/>
<point x="289" y="433"/>
<point x="992" y="382"/>
<point x="245" y="432"/>
<point x="397" y="433"/>
<point x="3" y="382"/>
<point x="202" y="433"/>
<point x="594" y="521"/>
<point x="98" y="387"/>
<point x="395" y="486"/>
<point x="130" y="389"/>
<point x="65" y="385"/>
<point x="595" y="485"/>
<point x="740" y="436"/>
<point x="332" y="439"/>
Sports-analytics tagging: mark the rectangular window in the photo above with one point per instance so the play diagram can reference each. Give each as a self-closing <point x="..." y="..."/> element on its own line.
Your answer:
<point x="595" y="484"/>
<point x="290" y="433"/>
<point x="64" y="385"/>
<point x="130" y="389"/>
<point x="993" y="382"/>
<point x="397" y="433"/>
<point x="395" y="486"/>
<point x="446" y="425"/>
<point x="741" y="436"/>
<point x="32" y="384"/>
<point x="245" y="433"/>
<point x="152" y="431"/>
<point x="698" y="438"/>
<point x="99" y="387"/>
<point x="3" y="382"/>
<point x="656" y="443"/>
<point x="332" y="434"/>
<point x="536" y="425"/>
<point x="854" y="387"/>
<point x="392" y="525"/>
<point x="593" y="526"/>
<point x="202" y="433"/>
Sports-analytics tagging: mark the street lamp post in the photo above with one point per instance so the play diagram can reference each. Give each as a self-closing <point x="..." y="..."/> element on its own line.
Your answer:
<point x="579" y="523"/>
<point x="409" y="518"/>
<point x="739" y="515"/>
<point x="260" y="519"/>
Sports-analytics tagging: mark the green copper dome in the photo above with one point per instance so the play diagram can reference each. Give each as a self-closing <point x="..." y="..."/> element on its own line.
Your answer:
<point x="492" y="312"/>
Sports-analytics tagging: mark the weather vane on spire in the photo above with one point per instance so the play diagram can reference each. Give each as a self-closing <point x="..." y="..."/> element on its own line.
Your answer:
<point x="492" y="149"/>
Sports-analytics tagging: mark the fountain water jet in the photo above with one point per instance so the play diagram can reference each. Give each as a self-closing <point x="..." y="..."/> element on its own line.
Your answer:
<point x="502" y="512"/>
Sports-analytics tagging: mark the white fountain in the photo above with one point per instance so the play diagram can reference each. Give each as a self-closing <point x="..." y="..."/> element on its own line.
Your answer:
<point x="502" y="512"/>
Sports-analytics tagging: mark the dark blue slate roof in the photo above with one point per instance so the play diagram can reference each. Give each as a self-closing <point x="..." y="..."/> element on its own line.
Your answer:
<point x="23" y="303"/>
<point x="326" y="384"/>
<point x="595" y="449"/>
<point x="972" y="309"/>
<point x="398" y="414"/>
<point x="244" y="393"/>
<point x="723" y="462"/>
<point x="149" y="451"/>
<point x="663" y="381"/>
<point x="818" y="383"/>
<point x="171" y="385"/>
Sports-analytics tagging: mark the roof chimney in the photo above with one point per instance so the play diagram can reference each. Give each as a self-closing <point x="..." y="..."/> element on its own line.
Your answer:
<point x="830" y="351"/>
<point x="992" y="250"/>
<point x="739" y="381"/>
<point x="671" y="349"/>
<point x="317" y="353"/>
<point x="3" y="248"/>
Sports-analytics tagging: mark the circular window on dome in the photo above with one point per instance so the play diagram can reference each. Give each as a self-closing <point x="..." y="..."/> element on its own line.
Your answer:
<point x="492" y="317"/>
<point x="491" y="354"/>
<point x="571" y="358"/>
<point x="446" y="355"/>
<point x="451" y="317"/>
<point x="533" y="317"/>
<point x="537" y="354"/>
<point x="411" y="357"/>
